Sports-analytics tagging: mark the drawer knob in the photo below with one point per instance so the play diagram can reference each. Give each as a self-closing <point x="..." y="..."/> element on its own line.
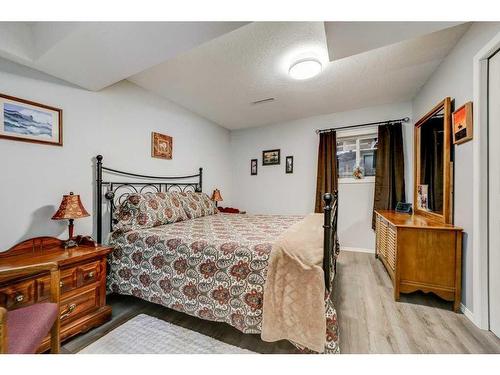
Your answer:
<point x="19" y="298"/>
<point x="68" y="312"/>
<point x="61" y="284"/>
<point x="91" y="274"/>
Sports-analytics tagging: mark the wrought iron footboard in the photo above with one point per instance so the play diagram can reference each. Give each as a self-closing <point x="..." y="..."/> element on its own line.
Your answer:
<point x="331" y="246"/>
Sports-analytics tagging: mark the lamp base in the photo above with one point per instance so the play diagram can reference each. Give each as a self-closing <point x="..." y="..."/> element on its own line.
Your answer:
<point x="69" y="244"/>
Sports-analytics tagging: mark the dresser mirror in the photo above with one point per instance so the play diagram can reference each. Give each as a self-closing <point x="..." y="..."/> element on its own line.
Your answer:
<point x="433" y="163"/>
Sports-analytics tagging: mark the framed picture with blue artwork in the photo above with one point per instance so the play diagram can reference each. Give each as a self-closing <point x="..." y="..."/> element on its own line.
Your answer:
<point x="27" y="121"/>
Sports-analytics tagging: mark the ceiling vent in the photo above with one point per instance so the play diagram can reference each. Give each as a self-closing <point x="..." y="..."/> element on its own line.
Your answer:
<point x="267" y="100"/>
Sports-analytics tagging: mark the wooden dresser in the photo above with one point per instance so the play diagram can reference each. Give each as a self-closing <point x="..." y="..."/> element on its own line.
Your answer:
<point x="420" y="253"/>
<point x="83" y="283"/>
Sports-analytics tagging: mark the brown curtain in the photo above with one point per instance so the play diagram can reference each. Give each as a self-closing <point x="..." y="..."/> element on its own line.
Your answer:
<point x="390" y="169"/>
<point x="327" y="168"/>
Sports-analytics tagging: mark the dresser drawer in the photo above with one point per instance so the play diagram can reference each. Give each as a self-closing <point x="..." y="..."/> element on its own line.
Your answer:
<point x="88" y="273"/>
<point x="392" y="246"/>
<point x="378" y="234"/>
<point x="18" y="295"/>
<point x="67" y="283"/>
<point x="79" y="304"/>
<point x="381" y="234"/>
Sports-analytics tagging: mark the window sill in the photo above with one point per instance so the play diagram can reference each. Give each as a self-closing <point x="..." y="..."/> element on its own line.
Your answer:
<point x="366" y="180"/>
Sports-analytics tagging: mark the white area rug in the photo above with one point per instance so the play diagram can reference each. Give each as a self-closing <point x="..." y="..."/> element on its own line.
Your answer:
<point x="145" y="334"/>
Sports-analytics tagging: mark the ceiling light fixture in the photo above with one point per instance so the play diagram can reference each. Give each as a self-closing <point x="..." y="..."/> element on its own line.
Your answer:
<point x="305" y="69"/>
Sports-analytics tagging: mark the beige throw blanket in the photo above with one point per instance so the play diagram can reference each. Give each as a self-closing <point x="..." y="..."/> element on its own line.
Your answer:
<point x="294" y="292"/>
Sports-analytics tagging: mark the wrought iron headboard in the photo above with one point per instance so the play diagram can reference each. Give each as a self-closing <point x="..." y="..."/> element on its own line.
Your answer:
<point x="116" y="191"/>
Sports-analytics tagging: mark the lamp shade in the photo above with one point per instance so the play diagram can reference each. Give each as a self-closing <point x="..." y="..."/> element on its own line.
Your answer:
<point x="216" y="197"/>
<point x="71" y="207"/>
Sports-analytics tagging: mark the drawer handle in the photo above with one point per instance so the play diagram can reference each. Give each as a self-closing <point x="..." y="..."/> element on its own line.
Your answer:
<point x="61" y="284"/>
<point x="19" y="298"/>
<point x="91" y="274"/>
<point x="68" y="312"/>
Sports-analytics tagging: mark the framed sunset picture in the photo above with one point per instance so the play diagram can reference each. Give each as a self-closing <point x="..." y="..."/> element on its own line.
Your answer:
<point x="462" y="124"/>
<point x="27" y="121"/>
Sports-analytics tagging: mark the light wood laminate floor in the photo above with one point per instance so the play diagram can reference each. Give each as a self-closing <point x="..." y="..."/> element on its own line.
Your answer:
<point x="370" y="320"/>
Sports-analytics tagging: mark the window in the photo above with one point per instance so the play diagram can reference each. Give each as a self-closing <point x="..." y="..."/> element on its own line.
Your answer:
<point x="356" y="148"/>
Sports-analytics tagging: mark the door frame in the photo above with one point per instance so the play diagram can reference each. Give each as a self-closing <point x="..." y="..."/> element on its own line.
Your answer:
<point x="480" y="314"/>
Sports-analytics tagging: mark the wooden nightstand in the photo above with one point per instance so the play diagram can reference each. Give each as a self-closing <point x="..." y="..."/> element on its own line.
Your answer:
<point x="83" y="283"/>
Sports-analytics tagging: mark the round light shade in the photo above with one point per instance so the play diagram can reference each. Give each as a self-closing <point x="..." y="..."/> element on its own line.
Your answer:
<point x="305" y="69"/>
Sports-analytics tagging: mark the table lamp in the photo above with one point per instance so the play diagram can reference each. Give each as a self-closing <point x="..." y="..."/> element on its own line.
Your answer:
<point x="71" y="208"/>
<point x="216" y="197"/>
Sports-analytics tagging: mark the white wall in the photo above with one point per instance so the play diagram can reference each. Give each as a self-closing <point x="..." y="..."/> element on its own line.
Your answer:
<point x="115" y="122"/>
<point x="119" y="119"/>
<point x="454" y="78"/>
<point x="273" y="191"/>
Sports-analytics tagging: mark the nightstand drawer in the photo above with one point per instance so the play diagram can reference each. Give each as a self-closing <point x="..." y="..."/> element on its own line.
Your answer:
<point x="18" y="295"/>
<point x="79" y="304"/>
<point x="68" y="280"/>
<point x="82" y="282"/>
<point x="67" y="283"/>
<point x="88" y="273"/>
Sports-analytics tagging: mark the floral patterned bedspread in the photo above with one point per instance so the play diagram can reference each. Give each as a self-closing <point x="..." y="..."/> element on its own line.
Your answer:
<point x="213" y="267"/>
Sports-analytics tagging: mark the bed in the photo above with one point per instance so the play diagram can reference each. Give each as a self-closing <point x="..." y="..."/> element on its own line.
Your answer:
<point x="214" y="266"/>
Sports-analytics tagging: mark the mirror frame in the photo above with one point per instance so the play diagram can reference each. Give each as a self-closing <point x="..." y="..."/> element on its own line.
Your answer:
<point x="447" y="215"/>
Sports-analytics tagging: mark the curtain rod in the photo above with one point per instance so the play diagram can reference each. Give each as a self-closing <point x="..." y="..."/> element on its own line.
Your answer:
<point x="388" y="122"/>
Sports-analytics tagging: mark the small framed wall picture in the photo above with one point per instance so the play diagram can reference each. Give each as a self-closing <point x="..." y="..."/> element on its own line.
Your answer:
<point x="23" y="120"/>
<point x="462" y="124"/>
<point x="161" y="146"/>
<point x="253" y="167"/>
<point x="271" y="157"/>
<point x="289" y="164"/>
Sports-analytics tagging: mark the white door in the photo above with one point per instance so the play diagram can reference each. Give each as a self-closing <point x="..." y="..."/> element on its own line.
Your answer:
<point x="494" y="190"/>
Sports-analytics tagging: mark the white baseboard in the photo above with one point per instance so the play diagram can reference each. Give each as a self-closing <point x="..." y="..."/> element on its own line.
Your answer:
<point x="469" y="315"/>
<point x="357" y="249"/>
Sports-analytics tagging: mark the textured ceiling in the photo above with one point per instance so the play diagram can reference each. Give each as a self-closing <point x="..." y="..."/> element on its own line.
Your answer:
<point x="345" y="39"/>
<point x="94" y="55"/>
<point x="218" y="69"/>
<point x="221" y="78"/>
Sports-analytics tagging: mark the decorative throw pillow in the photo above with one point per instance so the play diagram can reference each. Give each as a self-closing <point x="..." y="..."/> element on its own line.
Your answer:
<point x="148" y="210"/>
<point x="174" y="211"/>
<point x="210" y="207"/>
<point x="197" y="204"/>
